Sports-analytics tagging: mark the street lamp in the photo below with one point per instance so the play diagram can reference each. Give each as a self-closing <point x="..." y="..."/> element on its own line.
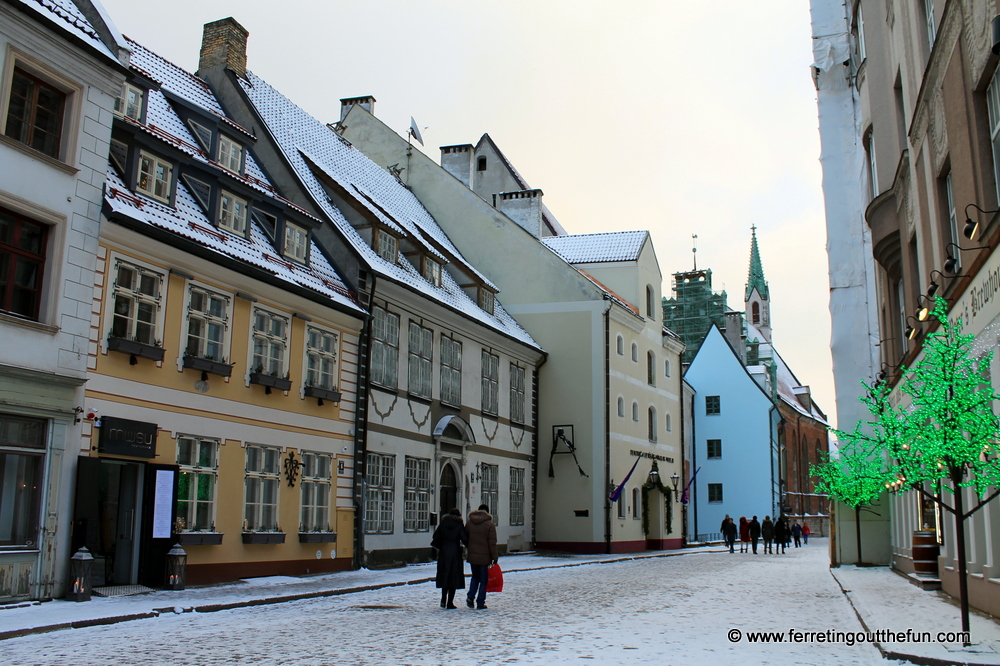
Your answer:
<point x="675" y="479"/>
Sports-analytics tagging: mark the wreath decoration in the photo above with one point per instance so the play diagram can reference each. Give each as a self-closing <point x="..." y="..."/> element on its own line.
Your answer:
<point x="667" y="493"/>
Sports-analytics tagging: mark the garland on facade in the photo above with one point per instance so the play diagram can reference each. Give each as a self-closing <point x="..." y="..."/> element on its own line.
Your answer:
<point x="658" y="485"/>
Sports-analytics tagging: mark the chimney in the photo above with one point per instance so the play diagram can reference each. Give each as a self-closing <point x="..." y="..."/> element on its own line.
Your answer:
<point x="366" y="102"/>
<point x="224" y="44"/>
<point x="524" y="207"/>
<point x="457" y="160"/>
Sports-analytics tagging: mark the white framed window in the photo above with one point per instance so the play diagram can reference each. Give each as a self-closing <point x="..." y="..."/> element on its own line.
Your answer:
<point x="635" y="411"/>
<point x="386" y="245"/>
<point x="516" y="393"/>
<point x="379" y="494"/>
<point x="208" y="320"/>
<point x="316" y="486"/>
<point x="491" y="383"/>
<point x="487" y="301"/>
<point x="154" y="178"/>
<point x="137" y="294"/>
<point x="517" y="496"/>
<point x="636" y="503"/>
<point x="451" y="371"/>
<point x="421" y="360"/>
<point x="230" y="154"/>
<point x="198" y="460"/>
<point x="490" y="495"/>
<point x="621" y="406"/>
<point x="385" y="347"/>
<point x="129" y="101"/>
<point x="262" y="479"/>
<point x="432" y="271"/>
<point x="321" y="358"/>
<point x="416" y="495"/>
<point x="270" y="343"/>
<point x="233" y="213"/>
<point x="22" y="457"/>
<point x="296" y="242"/>
<point x="620" y="345"/>
<point x="993" y="108"/>
<point x="862" y="49"/>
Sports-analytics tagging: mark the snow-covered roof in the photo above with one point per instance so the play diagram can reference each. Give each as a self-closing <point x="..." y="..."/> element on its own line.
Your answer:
<point x="187" y="218"/>
<point x="318" y="155"/>
<point x="787" y="381"/>
<point x="598" y="248"/>
<point x="66" y="16"/>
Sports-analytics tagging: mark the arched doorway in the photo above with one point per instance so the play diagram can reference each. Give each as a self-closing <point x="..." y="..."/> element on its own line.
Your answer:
<point x="448" y="489"/>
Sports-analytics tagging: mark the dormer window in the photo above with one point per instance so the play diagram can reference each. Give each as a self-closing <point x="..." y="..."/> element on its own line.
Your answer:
<point x="486" y="300"/>
<point x="230" y="154"/>
<point x="233" y="213"/>
<point x="386" y="245"/>
<point x="154" y="177"/>
<point x="432" y="271"/>
<point x="296" y="242"/>
<point x="202" y="134"/>
<point x="129" y="101"/>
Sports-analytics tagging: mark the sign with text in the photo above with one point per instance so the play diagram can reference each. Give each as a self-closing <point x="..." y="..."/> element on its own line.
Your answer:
<point x="163" y="503"/>
<point x="122" y="437"/>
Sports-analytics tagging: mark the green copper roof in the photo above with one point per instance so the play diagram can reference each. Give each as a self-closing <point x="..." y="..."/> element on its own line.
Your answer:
<point x="756" y="277"/>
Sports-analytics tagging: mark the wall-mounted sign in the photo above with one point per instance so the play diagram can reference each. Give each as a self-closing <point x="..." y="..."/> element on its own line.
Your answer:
<point x="163" y="503"/>
<point x="122" y="437"/>
<point x="654" y="456"/>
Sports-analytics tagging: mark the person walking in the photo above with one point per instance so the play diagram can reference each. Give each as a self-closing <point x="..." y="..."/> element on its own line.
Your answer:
<point x="780" y="534"/>
<point x="729" y="533"/>
<point x="482" y="553"/>
<point x="754" y="528"/>
<point x="448" y="539"/>
<point x="796" y="533"/>
<point x="805" y="533"/>
<point x="744" y="535"/>
<point x="767" y="533"/>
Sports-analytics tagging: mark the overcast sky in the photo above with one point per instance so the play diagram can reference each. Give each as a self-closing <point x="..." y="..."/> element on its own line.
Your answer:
<point x="678" y="117"/>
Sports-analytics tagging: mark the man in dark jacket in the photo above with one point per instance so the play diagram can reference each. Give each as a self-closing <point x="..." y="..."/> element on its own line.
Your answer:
<point x="482" y="553"/>
<point x="754" y="533"/>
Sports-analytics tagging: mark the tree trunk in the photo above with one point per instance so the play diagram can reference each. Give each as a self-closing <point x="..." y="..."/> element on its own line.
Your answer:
<point x="963" y="582"/>
<point x="857" y="527"/>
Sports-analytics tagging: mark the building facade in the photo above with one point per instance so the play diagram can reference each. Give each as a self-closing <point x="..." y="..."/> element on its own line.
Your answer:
<point x="61" y="68"/>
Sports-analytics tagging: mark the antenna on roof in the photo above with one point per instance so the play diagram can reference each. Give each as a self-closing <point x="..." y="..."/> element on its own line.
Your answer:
<point x="694" y="250"/>
<point x="415" y="131"/>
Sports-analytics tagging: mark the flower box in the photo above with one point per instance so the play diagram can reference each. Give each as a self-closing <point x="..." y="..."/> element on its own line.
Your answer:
<point x="263" y="537"/>
<point x="322" y="394"/>
<point x="269" y="381"/>
<point x="133" y="348"/>
<point x="317" y="537"/>
<point x="199" y="538"/>
<point x="206" y="365"/>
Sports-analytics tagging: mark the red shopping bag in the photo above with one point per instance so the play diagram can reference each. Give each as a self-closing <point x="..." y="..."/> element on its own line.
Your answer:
<point x="494" y="579"/>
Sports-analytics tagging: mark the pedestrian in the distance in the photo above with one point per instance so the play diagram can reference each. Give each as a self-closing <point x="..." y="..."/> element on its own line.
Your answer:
<point x="482" y="553"/>
<point x="767" y="533"/>
<point x="744" y="535"/>
<point x="805" y="533"/>
<point x="796" y="533"/>
<point x="754" y="533"/>
<point x="780" y="534"/>
<point x="448" y="539"/>
<point x="729" y="533"/>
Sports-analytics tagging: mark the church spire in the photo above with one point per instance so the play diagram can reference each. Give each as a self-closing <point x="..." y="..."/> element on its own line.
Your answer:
<point x="756" y="278"/>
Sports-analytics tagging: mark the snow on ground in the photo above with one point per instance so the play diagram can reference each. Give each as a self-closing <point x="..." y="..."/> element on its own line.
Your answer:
<point x="670" y="610"/>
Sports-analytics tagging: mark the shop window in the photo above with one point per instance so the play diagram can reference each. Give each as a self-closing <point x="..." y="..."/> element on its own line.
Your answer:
<point x="316" y="484"/>
<point x="22" y="446"/>
<point x="416" y="495"/>
<point x="262" y="482"/>
<point x="22" y="264"/>
<point x="198" y="459"/>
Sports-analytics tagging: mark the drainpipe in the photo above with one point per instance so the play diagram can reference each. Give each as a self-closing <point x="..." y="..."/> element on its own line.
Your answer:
<point x="607" y="424"/>
<point x="693" y="496"/>
<point x="534" y="451"/>
<point x="361" y="433"/>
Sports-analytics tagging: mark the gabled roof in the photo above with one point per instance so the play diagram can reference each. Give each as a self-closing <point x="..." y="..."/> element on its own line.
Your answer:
<point x="598" y="248"/>
<point x="787" y="381"/>
<point x="319" y="155"/>
<point x="64" y="15"/>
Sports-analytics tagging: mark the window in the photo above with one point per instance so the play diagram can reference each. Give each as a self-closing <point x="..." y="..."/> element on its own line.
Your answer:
<point x="136" y="303"/>
<point x="491" y="383"/>
<point x="667" y="425"/>
<point x="129" y="101"/>
<point x="154" y="177"/>
<point x="516" y="393"/>
<point x="202" y="134"/>
<point x="715" y="493"/>
<point x="316" y="484"/>
<point x="262" y="479"/>
<point x="385" y="347"/>
<point x="620" y="345"/>
<point x="951" y="233"/>
<point x="755" y="312"/>
<point x="650" y="302"/>
<point x="22" y="264"/>
<point x="715" y="448"/>
<point x="650" y="368"/>
<point x="208" y="315"/>
<point x="713" y="404"/>
<point x="636" y="503"/>
<point x="490" y="495"/>
<point x="621" y="505"/>
<point x="621" y="406"/>
<point x="269" y="343"/>
<point x="118" y="153"/>
<point x="321" y="359"/>
<point x="35" y="114"/>
<point x="651" y="424"/>
<point x="198" y="459"/>
<point x="230" y="154"/>
<point x="416" y="495"/>
<point x="233" y="213"/>
<point x="635" y="352"/>
<point x="862" y="50"/>
<point x="421" y="355"/>
<point x="386" y="245"/>
<point x="486" y="300"/>
<point x="296" y="242"/>
<point x="517" y="496"/>
<point x="381" y="478"/>
<point x="635" y="411"/>
<point x="666" y="368"/>
<point x="872" y="164"/>
<point x="993" y="107"/>
<point x="432" y="272"/>
<point x="451" y="371"/>
<point x="22" y="445"/>
<point x="929" y="20"/>
<point x="480" y="164"/>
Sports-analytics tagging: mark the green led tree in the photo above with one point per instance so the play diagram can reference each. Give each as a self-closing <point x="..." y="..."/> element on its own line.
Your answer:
<point x="948" y="437"/>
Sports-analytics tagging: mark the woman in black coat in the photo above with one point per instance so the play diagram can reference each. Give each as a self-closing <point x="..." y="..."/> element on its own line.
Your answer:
<point x="781" y="533"/>
<point x="448" y="539"/>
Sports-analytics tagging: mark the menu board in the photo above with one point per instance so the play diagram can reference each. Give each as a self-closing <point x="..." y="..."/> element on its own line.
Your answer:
<point x="163" y="503"/>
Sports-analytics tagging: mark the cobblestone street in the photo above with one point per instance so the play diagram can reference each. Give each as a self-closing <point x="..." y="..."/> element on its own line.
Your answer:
<point x="674" y="610"/>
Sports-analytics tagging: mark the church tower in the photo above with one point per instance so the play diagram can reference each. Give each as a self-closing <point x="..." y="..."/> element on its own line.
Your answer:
<point x="757" y="300"/>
